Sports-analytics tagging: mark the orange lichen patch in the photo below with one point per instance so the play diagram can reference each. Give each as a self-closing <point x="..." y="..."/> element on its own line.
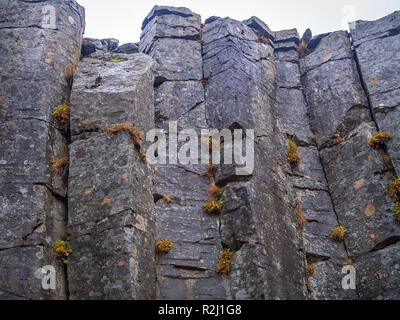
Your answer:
<point x="370" y="210"/>
<point x="43" y="97"/>
<point x="370" y="157"/>
<point x="60" y="166"/>
<point x="339" y="233"/>
<point x="167" y="199"/>
<point x="299" y="214"/>
<point x="340" y="140"/>
<point x="373" y="80"/>
<point x="380" y="273"/>
<point x="121" y="263"/>
<point x="225" y="261"/>
<point x="373" y="236"/>
<point x="88" y="192"/>
<point x="23" y="43"/>
<point x="51" y="39"/>
<point x="359" y="184"/>
<point x="106" y="201"/>
<point x="326" y="56"/>
<point x="135" y="134"/>
<point x="380" y="139"/>
<point x="48" y="60"/>
<point x="124" y="177"/>
<point x="35" y="29"/>
<point x="164" y="246"/>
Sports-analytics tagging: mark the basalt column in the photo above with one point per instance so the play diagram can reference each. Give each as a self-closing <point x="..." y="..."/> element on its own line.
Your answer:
<point x="357" y="175"/>
<point x="172" y="36"/>
<point x="258" y="220"/>
<point x="40" y="46"/>
<point x="314" y="207"/>
<point x="111" y="210"/>
<point x="376" y="45"/>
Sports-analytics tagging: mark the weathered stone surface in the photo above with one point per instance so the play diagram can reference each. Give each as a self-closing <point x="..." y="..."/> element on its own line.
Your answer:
<point x="109" y="92"/>
<point x="362" y="31"/>
<point x="36" y="61"/>
<point x="95" y="47"/>
<point x="128" y="48"/>
<point x="286" y="35"/>
<point x="111" y="208"/>
<point x="307" y="36"/>
<point x="242" y="93"/>
<point x="338" y="104"/>
<point x="260" y="27"/>
<point x="377" y="50"/>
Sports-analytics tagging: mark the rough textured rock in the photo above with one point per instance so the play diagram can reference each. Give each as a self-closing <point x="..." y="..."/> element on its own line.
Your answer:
<point x="241" y="93"/>
<point x="36" y="61"/>
<point x="329" y="98"/>
<point x="377" y="51"/>
<point x="110" y="200"/>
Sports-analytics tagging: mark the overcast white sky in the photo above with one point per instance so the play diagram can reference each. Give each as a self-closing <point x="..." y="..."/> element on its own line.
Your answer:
<point x="122" y="19"/>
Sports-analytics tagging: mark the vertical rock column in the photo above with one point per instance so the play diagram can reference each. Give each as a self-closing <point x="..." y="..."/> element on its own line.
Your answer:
<point x="40" y="45"/>
<point x="357" y="176"/>
<point x="172" y="37"/>
<point x="258" y="220"/>
<point x="111" y="209"/>
<point x="315" y="209"/>
<point x="376" y="45"/>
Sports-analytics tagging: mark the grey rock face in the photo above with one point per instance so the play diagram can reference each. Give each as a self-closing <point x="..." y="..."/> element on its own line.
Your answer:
<point x="377" y="49"/>
<point x="36" y="60"/>
<point x="241" y="92"/>
<point x="111" y="207"/>
<point x="127" y="48"/>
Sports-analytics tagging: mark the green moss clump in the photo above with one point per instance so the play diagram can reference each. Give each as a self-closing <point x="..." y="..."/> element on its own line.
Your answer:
<point x="380" y="139"/>
<point x="394" y="189"/>
<point x="164" y="246"/>
<point x="213" y="206"/>
<point x="61" y="116"/>
<point x="116" y="60"/>
<point x="397" y="211"/>
<point x="225" y="261"/>
<point x="293" y="156"/>
<point x="62" y="250"/>
<point x="339" y="233"/>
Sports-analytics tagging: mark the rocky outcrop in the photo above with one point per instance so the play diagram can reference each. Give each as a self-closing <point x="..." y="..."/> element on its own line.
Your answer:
<point x="41" y="43"/>
<point x="314" y="103"/>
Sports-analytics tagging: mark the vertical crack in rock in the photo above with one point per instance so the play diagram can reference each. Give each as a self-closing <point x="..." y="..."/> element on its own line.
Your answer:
<point x="357" y="178"/>
<point x="36" y="61"/>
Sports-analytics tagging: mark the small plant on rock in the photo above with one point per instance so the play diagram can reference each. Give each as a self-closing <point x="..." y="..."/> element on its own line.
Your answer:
<point x="339" y="233"/>
<point x="293" y="156"/>
<point x="310" y="270"/>
<point x="397" y="211"/>
<point x="164" y="246"/>
<point x="62" y="250"/>
<point x="210" y="172"/>
<point x="135" y="134"/>
<point x="60" y="166"/>
<point x="61" y="116"/>
<point x="213" y="207"/>
<point x="225" y="261"/>
<point x="380" y="139"/>
<point x="167" y="199"/>
<point x="394" y="189"/>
